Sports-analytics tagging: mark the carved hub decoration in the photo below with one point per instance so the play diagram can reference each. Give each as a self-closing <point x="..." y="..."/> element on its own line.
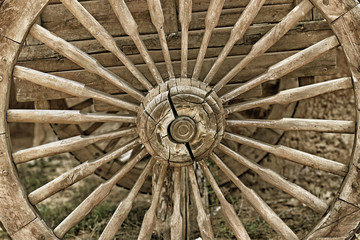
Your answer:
<point x="181" y="121"/>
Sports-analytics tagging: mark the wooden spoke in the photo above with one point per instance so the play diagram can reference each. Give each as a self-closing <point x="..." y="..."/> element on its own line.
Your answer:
<point x="211" y="20"/>
<point x="67" y="145"/>
<point x="64" y="116"/>
<point x="103" y="36"/>
<point x="131" y="28"/>
<point x="202" y="218"/>
<point x="293" y="155"/>
<point x="96" y="197"/>
<point x="157" y="18"/>
<point x="293" y="95"/>
<point x="298" y="124"/>
<point x="279" y="182"/>
<point x="76" y="174"/>
<point x="82" y="59"/>
<point x="70" y="87"/>
<point x="257" y="203"/>
<point x="237" y="33"/>
<point x="176" y="221"/>
<point x="226" y="208"/>
<point x="286" y="66"/>
<point x="150" y="215"/>
<point x="185" y="9"/>
<point x="125" y="206"/>
<point x="268" y="40"/>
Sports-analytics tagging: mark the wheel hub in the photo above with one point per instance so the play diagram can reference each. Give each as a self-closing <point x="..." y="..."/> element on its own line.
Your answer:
<point x="181" y="121"/>
<point x="182" y="129"/>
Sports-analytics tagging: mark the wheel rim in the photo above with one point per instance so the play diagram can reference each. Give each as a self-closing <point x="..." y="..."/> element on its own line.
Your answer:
<point x="176" y="110"/>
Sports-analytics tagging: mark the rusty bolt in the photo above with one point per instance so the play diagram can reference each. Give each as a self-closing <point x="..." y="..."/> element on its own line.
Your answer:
<point x="326" y="2"/>
<point x="4" y="59"/>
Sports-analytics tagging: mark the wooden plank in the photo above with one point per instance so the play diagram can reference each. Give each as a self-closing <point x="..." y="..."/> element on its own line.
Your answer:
<point x="102" y="107"/>
<point x="57" y="19"/>
<point x="202" y="5"/>
<point x="50" y="63"/>
<point x="303" y="34"/>
<point x="322" y="66"/>
<point x="230" y="16"/>
<point x="170" y="16"/>
<point x="60" y="21"/>
<point x="333" y="9"/>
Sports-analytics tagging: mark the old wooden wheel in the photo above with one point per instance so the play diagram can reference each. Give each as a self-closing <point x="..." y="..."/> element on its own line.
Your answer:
<point x="178" y="112"/>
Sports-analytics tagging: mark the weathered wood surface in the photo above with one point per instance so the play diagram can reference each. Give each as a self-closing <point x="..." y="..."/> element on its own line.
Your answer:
<point x="96" y="197"/>
<point x="56" y="18"/>
<point x="66" y="145"/>
<point x="69" y="87"/>
<point x="284" y="67"/>
<point x="325" y="64"/>
<point x="101" y="106"/>
<point x="298" y="124"/>
<point x="226" y="208"/>
<point x="291" y="154"/>
<point x="78" y="173"/>
<point x="149" y="220"/>
<point x="19" y="223"/>
<point x="332" y="10"/>
<point x="256" y="202"/>
<point x="125" y="206"/>
<point x="303" y="34"/>
<point x="344" y="218"/>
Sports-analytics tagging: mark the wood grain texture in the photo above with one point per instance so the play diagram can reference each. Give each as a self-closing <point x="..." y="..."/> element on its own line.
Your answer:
<point x="69" y="87"/>
<point x="125" y="206"/>
<point x="285" y="66"/>
<point x="325" y="64"/>
<point x="66" y="145"/>
<point x="10" y="10"/>
<point x="82" y="59"/>
<point x="298" y="124"/>
<point x="96" y="197"/>
<point x="269" y="39"/>
<point x="149" y="220"/>
<point x="293" y="95"/>
<point x="203" y="219"/>
<point x="332" y="10"/>
<point x="78" y="173"/>
<point x="226" y="208"/>
<point x="177" y="220"/>
<point x="256" y="202"/>
<point x="292" y="155"/>
<point x="211" y="20"/>
<point x="279" y="182"/>
<point x="240" y="27"/>
<point x="99" y="32"/>
<point x="63" y="116"/>
<point x="127" y="21"/>
<point x="11" y="34"/>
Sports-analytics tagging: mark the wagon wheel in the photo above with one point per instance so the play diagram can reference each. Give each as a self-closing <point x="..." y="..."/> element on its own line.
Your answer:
<point x="180" y="121"/>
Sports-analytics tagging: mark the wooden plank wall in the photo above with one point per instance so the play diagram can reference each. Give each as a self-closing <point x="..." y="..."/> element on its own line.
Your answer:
<point x="60" y="21"/>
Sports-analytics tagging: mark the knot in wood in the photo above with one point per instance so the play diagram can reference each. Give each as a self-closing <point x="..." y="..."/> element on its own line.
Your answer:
<point x="181" y="121"/>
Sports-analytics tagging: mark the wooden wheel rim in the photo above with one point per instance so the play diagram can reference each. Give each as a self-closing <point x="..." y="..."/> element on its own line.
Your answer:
<point x="25" y="222"/>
